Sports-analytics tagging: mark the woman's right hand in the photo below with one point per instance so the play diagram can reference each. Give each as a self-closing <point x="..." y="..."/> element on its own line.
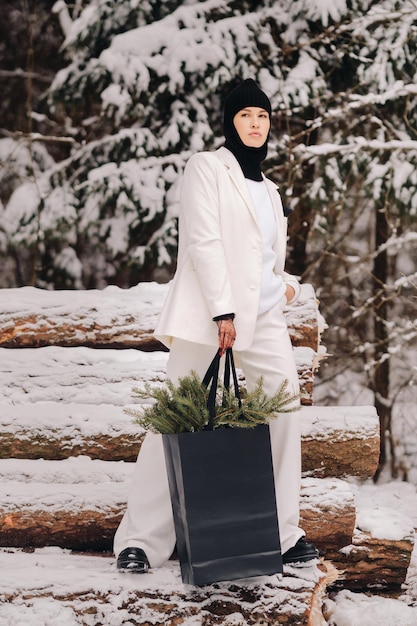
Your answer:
<point x="227" y="334"/>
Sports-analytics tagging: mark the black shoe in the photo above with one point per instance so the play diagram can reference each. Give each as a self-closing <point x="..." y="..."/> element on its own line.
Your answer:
<point x="300" y="553"/>
<point x="133" y="560"/>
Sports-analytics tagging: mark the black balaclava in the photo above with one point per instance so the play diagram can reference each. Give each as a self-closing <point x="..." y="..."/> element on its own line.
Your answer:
<point x="246" y="94"/>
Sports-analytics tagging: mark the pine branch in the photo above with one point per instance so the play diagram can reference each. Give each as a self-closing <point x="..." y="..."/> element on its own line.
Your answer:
<point x="183" y="408"/>
<point x="258" y="408"/>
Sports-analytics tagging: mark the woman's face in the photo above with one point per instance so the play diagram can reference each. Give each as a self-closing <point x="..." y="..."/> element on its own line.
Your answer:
<point x="252" y="125"/>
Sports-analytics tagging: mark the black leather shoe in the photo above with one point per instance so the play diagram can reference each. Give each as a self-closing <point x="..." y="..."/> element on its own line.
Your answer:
<point x="133" y="560"/>
<point x="301" y="552"/>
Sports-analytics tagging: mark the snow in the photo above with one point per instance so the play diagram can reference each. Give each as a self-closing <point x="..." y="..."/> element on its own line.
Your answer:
<point x="352" y="609"/>
<point x="74" y="470"/>
<point x="61" y="577"/>
<point x="359" y="419"/>
<point x="145" y="298"/>
<point x="332" y="494"/>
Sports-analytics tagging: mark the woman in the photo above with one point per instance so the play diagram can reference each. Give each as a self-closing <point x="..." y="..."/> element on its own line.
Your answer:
<point x="228" y="291"/>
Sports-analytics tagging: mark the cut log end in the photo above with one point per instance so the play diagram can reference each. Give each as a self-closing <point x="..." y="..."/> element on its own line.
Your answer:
<point x="372" y="564"/>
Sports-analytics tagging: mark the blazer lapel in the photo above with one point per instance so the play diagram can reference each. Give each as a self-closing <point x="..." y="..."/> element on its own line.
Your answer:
<point x="237" y="177"/>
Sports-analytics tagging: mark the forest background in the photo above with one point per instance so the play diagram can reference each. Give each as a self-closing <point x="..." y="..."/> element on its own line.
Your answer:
<point x="103" y="101"/>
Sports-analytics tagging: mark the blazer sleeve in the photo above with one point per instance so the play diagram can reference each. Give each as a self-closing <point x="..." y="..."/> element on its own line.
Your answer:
<point x="200" y="217"/>
<point x="291" y="280"/>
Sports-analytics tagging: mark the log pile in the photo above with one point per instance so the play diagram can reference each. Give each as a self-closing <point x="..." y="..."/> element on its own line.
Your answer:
<point x="66" y="446"/>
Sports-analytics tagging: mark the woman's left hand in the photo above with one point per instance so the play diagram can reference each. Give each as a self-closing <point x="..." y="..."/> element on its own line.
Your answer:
<point x="227" y="334"/>
<point x="289" y="293"/>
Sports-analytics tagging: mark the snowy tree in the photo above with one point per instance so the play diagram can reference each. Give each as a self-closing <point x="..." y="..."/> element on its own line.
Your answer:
<point x="362" y="170"/>
<point x="143" y="89"/>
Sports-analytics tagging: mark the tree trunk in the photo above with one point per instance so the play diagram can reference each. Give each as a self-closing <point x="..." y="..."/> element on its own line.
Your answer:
<point x="299" y="225"/>
<point x="381" y="373"/>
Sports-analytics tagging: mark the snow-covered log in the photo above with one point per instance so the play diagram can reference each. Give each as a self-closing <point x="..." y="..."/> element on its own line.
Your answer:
<point x="340" y="441"/>
<point x="375" y="562"/>
<point x="336" y="441"/>
<point x="379" y="554"/>
<point x="327" y="512"/>
<point x="86" y="375"/>
<point x="158" y="597"/>
<point x="78" y="504"/>
<point x="115" y="318"/>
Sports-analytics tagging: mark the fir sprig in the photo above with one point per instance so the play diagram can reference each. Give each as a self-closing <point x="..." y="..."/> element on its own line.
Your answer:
<point x="183" y="408"/>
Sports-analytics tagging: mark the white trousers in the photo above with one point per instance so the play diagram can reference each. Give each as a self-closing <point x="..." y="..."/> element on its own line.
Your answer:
<point x="148" y="522"/>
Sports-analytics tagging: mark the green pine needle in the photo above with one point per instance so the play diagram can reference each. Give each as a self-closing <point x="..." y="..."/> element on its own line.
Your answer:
<point x="183" y="408"/>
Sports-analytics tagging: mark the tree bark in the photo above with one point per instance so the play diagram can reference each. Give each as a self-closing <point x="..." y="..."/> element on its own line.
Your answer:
<point x="381" y="373"/>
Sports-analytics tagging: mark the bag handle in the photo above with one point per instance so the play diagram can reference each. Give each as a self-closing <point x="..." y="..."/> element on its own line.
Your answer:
<point x="229" y="366"/>
<point x="212" y="376"/>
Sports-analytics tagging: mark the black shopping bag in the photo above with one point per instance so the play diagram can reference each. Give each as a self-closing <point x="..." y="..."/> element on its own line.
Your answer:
<point x="223" y="498"/>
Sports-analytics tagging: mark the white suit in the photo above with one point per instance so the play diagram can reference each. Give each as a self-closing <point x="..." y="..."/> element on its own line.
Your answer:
<point x="219" y="253"/>
<point x="219" y="271"/>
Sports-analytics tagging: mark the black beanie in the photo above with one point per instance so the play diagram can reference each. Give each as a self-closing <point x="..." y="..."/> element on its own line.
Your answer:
<point x="246" y="94"/>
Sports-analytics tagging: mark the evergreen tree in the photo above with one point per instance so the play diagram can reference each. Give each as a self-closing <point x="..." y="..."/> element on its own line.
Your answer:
<point x="143" y="89"/>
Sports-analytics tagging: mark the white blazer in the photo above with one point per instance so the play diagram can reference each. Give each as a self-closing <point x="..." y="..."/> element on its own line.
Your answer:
<point x="219" y="253"/>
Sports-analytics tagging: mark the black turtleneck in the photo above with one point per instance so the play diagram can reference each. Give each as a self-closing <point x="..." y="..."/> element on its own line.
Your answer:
<point x="250" y="159"/>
